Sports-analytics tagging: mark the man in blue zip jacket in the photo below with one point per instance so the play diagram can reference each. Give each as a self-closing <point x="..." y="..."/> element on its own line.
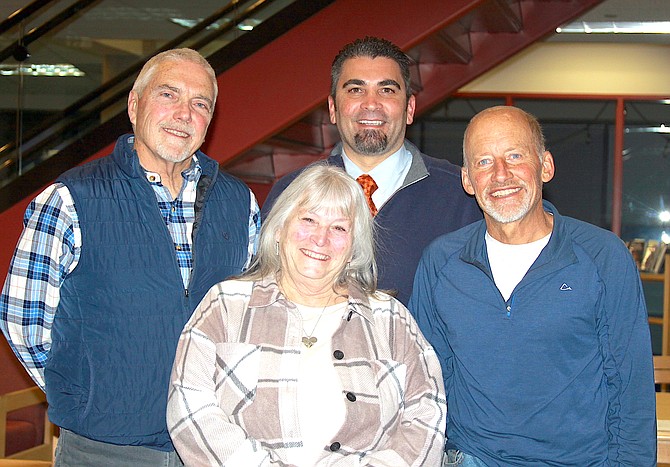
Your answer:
<point x="416" y="197"/>
<point x="538" y="319"/>
<point x="114" y="258"/>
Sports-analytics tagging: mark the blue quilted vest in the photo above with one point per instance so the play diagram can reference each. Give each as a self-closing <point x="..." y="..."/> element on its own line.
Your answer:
<point x="123" y="307"/>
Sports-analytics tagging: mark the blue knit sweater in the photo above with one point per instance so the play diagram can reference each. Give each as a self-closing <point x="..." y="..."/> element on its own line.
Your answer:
<point x="559" y="374"/>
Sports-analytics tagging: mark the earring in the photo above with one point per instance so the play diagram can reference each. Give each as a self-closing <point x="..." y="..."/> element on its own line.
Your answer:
<point x="277" y="248"/>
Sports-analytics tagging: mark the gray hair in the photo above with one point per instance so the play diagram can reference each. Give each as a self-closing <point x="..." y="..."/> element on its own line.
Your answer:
<point x="175" y="55"/>
<point x="537" y="137"/>
<point x="371" y="47"/>
<point x="322" y="186"/>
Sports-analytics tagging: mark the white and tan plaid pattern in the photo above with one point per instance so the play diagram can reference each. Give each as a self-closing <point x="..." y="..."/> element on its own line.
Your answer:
<point x="233" y="391"/>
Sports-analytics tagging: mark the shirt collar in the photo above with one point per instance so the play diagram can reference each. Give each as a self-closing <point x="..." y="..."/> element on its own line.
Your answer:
<point x="267" y="293"/>
<point x="191" y="173"/>
<point x="389" y="172"/>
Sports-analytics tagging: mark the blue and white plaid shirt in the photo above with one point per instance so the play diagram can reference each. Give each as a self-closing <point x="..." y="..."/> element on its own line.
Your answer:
<point x="49" y="248"/>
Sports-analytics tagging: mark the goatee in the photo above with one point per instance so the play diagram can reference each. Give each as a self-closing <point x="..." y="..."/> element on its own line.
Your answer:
<point x="371" y="142"/>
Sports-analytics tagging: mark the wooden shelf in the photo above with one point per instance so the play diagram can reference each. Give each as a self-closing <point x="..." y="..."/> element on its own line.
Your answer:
<point x="664" y="321"/>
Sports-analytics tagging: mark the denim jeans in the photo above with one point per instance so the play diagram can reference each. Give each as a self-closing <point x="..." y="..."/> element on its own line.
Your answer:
<point x="455" y="458"/>
<point x="77" y="451"/>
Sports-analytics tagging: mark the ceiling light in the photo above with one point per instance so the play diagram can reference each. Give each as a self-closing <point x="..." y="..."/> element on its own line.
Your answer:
<point x="648" y="129"/>
<point x="613" y="27"/>
<point x="185" y="22"/>
<point x="59" y="69"/>
<point x="248" y="24"/>
<point x="190" y="23"/>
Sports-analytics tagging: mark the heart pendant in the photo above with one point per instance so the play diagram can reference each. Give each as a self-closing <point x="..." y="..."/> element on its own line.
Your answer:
<point x="309" y="341"/>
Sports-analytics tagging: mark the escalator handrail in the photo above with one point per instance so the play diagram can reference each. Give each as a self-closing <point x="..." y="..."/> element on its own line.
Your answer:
<point x="23" y="14"/>
<point x="57" y="21"/>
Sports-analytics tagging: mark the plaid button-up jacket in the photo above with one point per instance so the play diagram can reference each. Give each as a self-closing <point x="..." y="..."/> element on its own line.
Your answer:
<point x="233" y="390"/>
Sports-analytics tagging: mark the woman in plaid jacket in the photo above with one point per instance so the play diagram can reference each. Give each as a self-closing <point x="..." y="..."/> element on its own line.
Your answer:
<point x="301" y="361"/>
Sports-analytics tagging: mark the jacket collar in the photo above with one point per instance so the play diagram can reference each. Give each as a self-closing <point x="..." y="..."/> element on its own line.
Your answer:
<point x="125" y="156"/>
<point x="266" y="293"/>
<point x="558" y="253"/>
<point x="417" y="169"/>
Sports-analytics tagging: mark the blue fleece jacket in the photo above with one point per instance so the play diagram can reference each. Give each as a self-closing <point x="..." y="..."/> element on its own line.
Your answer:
<point x="561" y="373"/>
<point x="430" y="202"/>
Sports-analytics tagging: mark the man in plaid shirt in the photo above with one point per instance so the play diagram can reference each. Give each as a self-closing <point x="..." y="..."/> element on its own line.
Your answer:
<point x="114" y="258"/>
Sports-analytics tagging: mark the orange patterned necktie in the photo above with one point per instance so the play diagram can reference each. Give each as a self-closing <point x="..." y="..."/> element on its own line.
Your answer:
<point x="369" y="187"/>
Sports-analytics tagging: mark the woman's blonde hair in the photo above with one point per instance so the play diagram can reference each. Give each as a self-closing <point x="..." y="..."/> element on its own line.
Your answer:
<point x="321" y="187"/>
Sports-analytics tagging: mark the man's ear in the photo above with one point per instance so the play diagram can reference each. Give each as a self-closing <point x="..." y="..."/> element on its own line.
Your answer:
<point x="547" y="167"/>
<point x="411" y="106"/>
<point x="132" y="107"/>
<point x="331" y="110"/>
<point x="465" y="181"/>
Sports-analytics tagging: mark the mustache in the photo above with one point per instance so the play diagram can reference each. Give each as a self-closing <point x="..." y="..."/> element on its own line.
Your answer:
<point x="375" y="115"/>
<point x="178" y="127"/>
<point x="506" y="185"/>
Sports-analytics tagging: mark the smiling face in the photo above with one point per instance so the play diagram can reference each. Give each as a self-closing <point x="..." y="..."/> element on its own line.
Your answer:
<point x="315" y="246"/>
<point x="503" y="169"/>
<point x="171" y="116"/>
<point x="371" y="109"/>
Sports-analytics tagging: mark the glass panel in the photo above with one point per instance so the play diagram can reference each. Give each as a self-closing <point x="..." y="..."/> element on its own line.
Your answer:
<point x="578" y="134"/>
<point x="646" y="181"/>
<point x="104" y="39"/>
<point x="570" y="111"/>
<point x="439" y="133"/>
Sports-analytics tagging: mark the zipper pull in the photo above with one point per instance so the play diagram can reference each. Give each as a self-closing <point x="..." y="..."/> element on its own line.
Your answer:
<point x="510" y="305"/>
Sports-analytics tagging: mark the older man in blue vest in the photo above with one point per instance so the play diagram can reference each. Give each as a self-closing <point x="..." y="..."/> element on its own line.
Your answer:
<point x="113" y="259"/>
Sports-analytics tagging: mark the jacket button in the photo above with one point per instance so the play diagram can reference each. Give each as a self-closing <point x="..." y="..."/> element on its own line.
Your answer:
<point x="335" y="446"/>
<point x="338" y="354"/>
<point x="351" y="396"/>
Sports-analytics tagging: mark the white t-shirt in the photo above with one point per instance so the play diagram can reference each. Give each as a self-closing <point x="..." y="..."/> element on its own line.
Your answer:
<point x="509" y="263"/>
<point x="321" y="407"/>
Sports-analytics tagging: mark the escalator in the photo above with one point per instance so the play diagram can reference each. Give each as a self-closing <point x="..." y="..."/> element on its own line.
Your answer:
<point x="63" y="120"/>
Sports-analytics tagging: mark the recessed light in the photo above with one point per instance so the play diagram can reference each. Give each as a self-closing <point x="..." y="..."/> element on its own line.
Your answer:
<point x="59" y="69"/>
<point x="188" y="23"/>
<point x="248" y="24"/>
<point x="614" y="27"/>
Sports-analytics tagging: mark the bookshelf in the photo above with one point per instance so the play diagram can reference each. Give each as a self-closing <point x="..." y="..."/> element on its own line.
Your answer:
<point x="663" y="321"/>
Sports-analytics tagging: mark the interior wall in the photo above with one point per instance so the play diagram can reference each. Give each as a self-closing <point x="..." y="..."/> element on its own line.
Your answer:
<point x="584" y="68"/>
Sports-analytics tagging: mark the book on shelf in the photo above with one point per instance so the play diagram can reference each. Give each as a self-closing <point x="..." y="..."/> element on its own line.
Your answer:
<point x="649" y="256"/>
<point x="636" y="248"/>
<point x="659" y="264"/>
